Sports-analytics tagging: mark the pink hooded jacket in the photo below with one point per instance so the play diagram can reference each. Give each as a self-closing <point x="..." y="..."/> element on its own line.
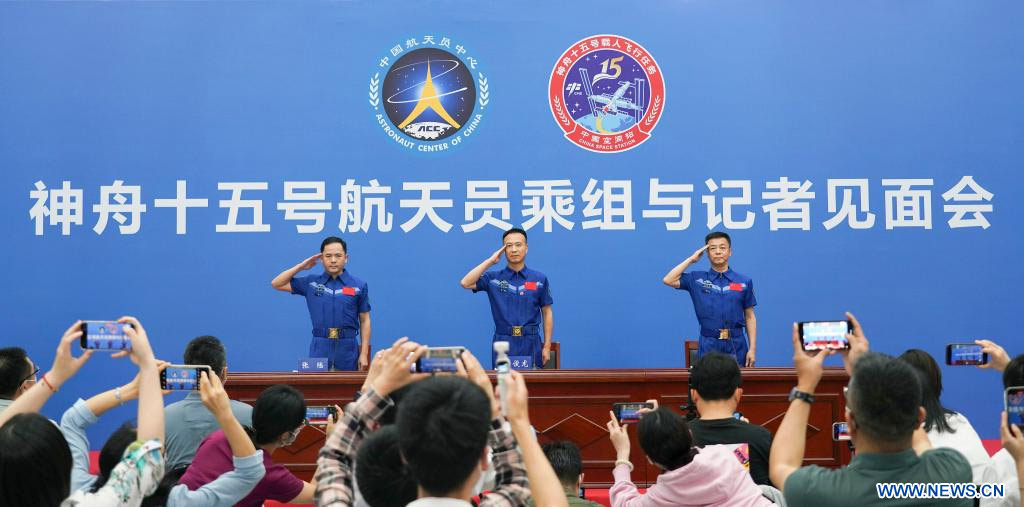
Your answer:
<point x="714" y="477"/>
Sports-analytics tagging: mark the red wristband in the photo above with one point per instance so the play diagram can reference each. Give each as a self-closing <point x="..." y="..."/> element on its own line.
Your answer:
<point x="48" y="384"/>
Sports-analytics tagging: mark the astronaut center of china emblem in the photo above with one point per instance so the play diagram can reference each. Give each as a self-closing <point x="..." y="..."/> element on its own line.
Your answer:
<point x="428" y="94"/>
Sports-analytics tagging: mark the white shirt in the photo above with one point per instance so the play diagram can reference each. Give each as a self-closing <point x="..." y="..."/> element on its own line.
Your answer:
<point x="966" y="440"/>
<point x="1005" y="471"/>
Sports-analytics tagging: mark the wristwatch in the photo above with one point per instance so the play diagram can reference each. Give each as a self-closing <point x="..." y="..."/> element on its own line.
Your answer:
<point x="800" y="395"/>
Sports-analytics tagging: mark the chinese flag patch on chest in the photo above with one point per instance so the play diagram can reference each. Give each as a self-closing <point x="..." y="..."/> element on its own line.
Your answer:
<point x="736" y="286"/>
<point x="530" y="286"/>
<point x="348" y="291"/>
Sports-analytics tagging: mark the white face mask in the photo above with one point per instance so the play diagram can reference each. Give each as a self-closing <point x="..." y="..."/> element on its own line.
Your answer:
<point x="290" y="439"/>
<point x="479" y="486"/>
<point x="487" y="476"/>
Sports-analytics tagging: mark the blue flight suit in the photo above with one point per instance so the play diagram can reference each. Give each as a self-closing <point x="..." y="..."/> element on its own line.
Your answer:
<point x="334" y="307"/>
<point x="719" y="299"/>
<point x="516" y="300"/>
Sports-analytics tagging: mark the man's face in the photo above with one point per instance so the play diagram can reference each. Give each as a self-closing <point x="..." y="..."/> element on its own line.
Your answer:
<point x="334" y="259"/>
<point x="515" y="248"/>
<point x="719" y="251"/>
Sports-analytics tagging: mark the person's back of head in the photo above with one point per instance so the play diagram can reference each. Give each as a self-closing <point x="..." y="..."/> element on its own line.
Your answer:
<point x="209" y="351"/>
<point x="35" y="462"/>
<point x="113" y="451"/>
<point x="885" y="400"/>
<point x="442" y="425"/>
<point x="666" y="439"/>
<point x="930" y="376"/>
<point x="14" y="370"/>
<point x="1013" y="375"/>
<point x="565" y="459"/>
<point x="280" y="409"/>
<point x="716" y="377"/>
<point x="382" y="477"/>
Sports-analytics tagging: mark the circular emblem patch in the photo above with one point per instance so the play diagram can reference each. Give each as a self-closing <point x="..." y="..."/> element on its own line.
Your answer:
<point x="606" y="93"/>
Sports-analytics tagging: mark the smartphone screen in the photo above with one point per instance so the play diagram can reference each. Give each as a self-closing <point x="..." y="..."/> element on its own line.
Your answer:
<point x="840" y="431"/>
<point x="502" y="367"/>
<point x="104" y="335"/>
<point x="963" y="354"/>
<point x="319" y="415"/>
<point x="1014" y="401"/>
<point x="824" y="335"/>
<point x="439" y="360"/>
<point x="180" y="378"/>
<point x="629" y="412"/>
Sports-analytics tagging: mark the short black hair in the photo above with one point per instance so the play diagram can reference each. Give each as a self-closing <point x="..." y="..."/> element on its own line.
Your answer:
<point x="279" y="409"/>
<point x="515" y="230"/>
<point x="931" y="389"/>
<point x="159" y="497"/>
<point x="442" y="426"/>
<point x="716" y="376"/>
<point x="14" y="369"/>
<point x="35" y="465"/>
<point x="382" y="476"/>
<point x="715" y="235"/>
<point x="207" y="350"/>
<point x="333" y="239"/>
<point x="113" y="451"/>
<point x="885" y="397"/>
<point x="665" y="436"/>
<point x="565" y="460"/>
<point x="1013" y="375"/>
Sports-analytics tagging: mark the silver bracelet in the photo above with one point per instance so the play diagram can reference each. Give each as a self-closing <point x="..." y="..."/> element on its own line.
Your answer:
<point x="624" y="462"/>
<point x="117" y="395"/>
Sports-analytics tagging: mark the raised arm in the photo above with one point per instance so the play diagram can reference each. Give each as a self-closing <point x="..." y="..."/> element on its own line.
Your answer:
<point x="151" y="400"/>
<point x="672" y="278"/>
<point x="787" y="452"/>
<point x="85" y="413"/>
<point x="543" y="482"/>
<point x="231" y="487"/>
<point x="469" y="281"/>
<point x="390" y="371"/>
<point x="283" y="281"/>
<point x="64" y="367"/>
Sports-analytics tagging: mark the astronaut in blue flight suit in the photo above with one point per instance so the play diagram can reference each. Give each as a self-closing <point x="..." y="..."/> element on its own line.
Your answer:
<point x="520" y="300"/>
<point x="723" y="300"/>
<point x="339" y="306"/>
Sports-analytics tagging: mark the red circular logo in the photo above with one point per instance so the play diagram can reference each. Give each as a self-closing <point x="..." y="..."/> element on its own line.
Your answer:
<point x="606" y="93"/>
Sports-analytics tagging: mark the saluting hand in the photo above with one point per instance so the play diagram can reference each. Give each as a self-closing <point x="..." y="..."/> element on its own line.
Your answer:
<point x="698" y="254"/>
<point x="310" y="263"/>
<point x="496" y="258"/>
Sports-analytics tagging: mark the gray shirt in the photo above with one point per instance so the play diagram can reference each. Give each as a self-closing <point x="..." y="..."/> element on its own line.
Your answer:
<point x="855" y="485"/>
<point x="188" y="422"/>
<point x="4" y="404"/>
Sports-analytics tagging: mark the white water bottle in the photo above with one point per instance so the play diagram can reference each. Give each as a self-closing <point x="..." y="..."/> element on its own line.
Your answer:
<point x="502" y="367"/>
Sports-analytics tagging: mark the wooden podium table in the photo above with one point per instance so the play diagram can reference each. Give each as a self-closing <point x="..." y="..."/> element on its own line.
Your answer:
<point x="574" y="404"/>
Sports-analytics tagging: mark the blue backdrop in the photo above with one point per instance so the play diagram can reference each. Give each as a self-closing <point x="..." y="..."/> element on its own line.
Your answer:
<point x="926" y="93"/>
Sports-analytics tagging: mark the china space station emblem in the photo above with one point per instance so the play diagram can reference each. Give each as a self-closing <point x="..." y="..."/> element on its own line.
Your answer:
<point x="607" y="93"/>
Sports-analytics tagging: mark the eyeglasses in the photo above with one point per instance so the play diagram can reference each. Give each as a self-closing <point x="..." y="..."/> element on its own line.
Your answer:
<point x="32" y="377"/>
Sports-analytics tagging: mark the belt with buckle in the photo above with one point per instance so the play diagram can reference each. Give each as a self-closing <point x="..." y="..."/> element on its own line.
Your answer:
<point x="517" y="330"/>
<point x="724" y="333"/>
<point x="334" y="333"/>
